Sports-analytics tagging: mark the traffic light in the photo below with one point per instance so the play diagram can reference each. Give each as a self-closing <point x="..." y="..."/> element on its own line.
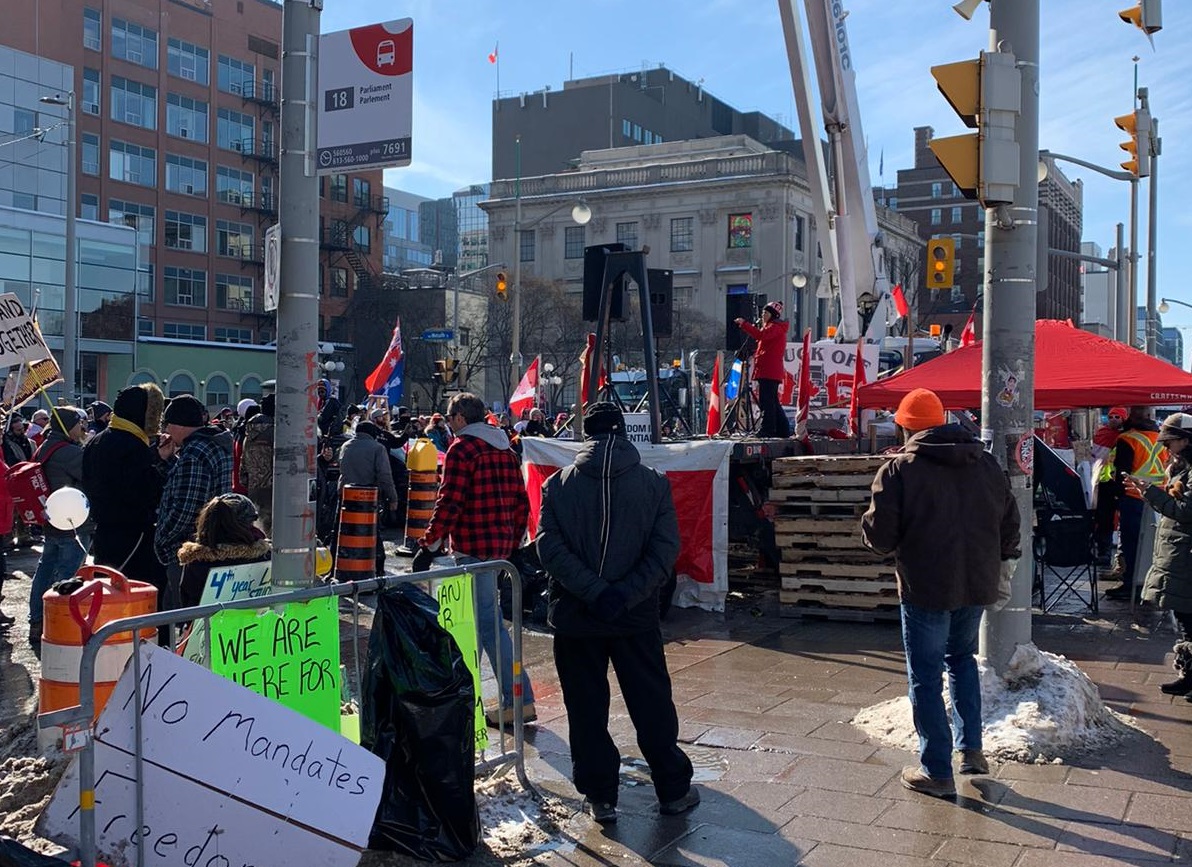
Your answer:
<point x="941" y="263"/>
<point x="987" y="94"/>
<point x="1137" y="125"/>
<point x="1147" y="16"/>
<point x="446" y="371"/>
<point x="502" y="286"/>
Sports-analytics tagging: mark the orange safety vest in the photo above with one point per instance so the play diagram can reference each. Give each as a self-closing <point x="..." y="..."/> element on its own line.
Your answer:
<point x="1150" y="456"/>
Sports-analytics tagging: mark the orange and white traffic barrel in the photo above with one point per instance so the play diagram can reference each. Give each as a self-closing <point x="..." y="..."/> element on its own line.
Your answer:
<point x="423" y="465"/>
<point x="355" y="554"/>
<point x="69" y="621"/>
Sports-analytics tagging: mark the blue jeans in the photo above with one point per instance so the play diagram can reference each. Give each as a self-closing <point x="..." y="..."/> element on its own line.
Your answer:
<point x="487" y="614"/>
<point x="935" y="640"/>
<point x="61" y="557"/>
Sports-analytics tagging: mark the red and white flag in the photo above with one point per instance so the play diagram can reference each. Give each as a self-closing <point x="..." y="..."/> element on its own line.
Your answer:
<point x="492" y="57"/>
<point x="714" y="419"/>
<point x="854" y="411"/>
<point x="786" y="391"/>
<point x="807" y="389"/>
<point x="525" y="393"/>
<point x="969" y="335"/>
<point x="900" y="304"/>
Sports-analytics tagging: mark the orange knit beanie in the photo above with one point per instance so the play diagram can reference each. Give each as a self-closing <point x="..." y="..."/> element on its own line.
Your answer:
<point x="919" y="410"/>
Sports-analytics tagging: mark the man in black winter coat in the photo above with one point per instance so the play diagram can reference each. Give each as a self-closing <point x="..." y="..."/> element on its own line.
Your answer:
<point x="608" y="537"/>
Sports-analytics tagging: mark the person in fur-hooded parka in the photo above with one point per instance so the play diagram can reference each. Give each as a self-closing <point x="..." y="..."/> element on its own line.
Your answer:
<point x="226" y="534"/>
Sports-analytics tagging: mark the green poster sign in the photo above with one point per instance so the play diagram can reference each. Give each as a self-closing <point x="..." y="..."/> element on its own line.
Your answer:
<point x="457" y="615"/>
<point x="289" y="653"/>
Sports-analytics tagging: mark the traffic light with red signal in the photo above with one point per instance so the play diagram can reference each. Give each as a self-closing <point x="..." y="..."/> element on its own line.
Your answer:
<point x="502" y="286"/>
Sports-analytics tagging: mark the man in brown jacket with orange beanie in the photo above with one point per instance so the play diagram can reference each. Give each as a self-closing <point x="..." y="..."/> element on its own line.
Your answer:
<point x="944" y="508"/>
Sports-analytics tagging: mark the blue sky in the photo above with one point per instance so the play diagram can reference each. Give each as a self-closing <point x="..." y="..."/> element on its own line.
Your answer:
<point x="736" y="46"/>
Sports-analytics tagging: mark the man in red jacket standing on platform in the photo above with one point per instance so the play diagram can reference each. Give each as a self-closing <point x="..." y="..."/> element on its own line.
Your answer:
<point x="768" y="367"/>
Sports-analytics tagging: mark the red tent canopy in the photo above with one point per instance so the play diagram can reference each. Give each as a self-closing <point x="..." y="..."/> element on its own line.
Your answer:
<point x="1073" y="368"/>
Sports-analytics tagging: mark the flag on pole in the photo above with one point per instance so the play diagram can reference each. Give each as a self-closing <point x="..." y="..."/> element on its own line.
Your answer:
<point x="492" y="57"/>
<point x="526" y="391"/>
<point x="969" y="335"/>
<point x="786" y="391"/>
<point x="900" y="300"/>
<point x="714" y="420"/>
<point x="388" y="377"/>
<point x="585" y="372"/>
<point x="807" y="389"/>
<point x="854" y="411"/>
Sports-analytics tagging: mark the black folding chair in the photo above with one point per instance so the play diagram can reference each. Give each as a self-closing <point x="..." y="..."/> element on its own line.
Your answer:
<point x="1065" y="558"/>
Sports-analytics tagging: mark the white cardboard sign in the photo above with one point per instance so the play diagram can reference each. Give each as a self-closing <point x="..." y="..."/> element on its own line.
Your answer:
<point x="20" y="339"/>
<point x="231" y="778"/>
<point x="637" y="427"/>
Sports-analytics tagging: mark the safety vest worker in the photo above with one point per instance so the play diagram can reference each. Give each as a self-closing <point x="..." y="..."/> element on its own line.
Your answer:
<point x="1149" y="456"/>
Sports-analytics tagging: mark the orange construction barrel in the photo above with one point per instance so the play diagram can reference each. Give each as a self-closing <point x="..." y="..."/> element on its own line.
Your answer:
<point x="69" y="622"/>
<point x="423" y="464"/>
<point x="356" y="550"/>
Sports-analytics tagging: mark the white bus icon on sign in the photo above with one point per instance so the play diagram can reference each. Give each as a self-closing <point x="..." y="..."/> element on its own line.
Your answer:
<point x="386" y="53"/>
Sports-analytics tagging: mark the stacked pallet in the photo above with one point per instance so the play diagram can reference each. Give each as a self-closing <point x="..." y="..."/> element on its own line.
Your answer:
<point x="826" y="570"/>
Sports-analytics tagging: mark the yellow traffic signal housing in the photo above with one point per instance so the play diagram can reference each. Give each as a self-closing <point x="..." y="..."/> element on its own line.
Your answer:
<point x="941" y="263"/>
<point x="502" y="286"/>
<point x="1147" y="16"/>
<point x="1137" y="125"/>
<point x="446" y="370"/>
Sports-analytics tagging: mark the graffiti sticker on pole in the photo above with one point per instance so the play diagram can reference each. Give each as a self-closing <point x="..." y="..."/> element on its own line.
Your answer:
<point x="366" y="97"/>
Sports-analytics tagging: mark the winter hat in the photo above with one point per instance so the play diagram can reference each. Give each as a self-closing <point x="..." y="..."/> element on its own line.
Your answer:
<point x="132" y="404"/>
<point x="242" y="507"/>
<point x="368" y="429"/>
<point x="775" y="308"/>
<point x="269" y="404"/>
<point x="1176" y="426"/>
<point x="99" y="409"/>
<point x="603" y="418"/>
<point x="242" y="407"/>
<point x="185" y="411"/>
<point x="919" y="410"/>
<point x="64" y="418"/>
<point x="1120" y="413"/>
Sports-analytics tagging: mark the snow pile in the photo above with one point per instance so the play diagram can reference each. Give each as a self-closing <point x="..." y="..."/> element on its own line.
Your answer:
<point x="514" y="825"/>
<point x="1044" y="710"/>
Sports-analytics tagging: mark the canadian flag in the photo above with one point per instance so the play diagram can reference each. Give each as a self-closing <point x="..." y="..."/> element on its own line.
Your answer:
<point x="900" y="304"/>
<point x="859" y="380"/>
<point x="714" y="420"/>
<point x="525" y="393"/>
<point x="492" y="57"/>
<point x="786" y="391"/>
<point x="969" y="335"/>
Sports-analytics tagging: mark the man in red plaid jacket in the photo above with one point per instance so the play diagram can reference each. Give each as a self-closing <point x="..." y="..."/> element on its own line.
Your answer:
<point x="481" y="514"/>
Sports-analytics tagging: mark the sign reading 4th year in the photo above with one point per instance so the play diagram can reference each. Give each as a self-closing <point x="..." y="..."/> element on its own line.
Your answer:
<point x="366" y="76"/>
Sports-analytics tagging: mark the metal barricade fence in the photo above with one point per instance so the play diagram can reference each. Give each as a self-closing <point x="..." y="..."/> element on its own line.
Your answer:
<point x="82" y="716"/>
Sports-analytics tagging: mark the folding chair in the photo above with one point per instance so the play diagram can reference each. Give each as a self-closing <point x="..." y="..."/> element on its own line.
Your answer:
<point x="1065" y="558"/>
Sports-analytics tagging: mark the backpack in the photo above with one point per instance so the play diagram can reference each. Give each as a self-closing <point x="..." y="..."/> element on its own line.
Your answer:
<point x="28" y="487"/>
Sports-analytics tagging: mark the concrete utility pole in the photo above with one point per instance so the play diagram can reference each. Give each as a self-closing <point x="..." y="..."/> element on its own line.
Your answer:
<point x="1008" y="362"/>
<point x="296" y="434"/>
<point x="1152" y="286"/>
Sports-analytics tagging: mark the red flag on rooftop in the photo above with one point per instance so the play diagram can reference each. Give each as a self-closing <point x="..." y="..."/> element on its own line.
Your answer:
<point x="492" y="57"/>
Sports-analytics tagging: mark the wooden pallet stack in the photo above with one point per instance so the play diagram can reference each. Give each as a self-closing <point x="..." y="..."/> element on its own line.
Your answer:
<point x="818" y="501"/>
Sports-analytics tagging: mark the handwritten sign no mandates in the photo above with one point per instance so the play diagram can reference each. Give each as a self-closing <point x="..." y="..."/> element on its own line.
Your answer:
<point x="20" y="340"/>
<point x="230" y="778"/>
<point x="289" y="655"/>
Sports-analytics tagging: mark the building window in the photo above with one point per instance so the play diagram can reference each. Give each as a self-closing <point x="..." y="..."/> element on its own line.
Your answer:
<point x="234" y="131"/>
<point x="626" y="127"/>
<point x="955" y="191"/>
<point x="89" y="207"/>
<point x="936" y="216"/>
<point x="957" y="296"/>
<point x="233" y="239"/>
<point x="186" y="287"/>
<point x="219" y="391"/>
<point x="800" y="227"/>
<point x="361" y="192"/>
<point x="956" y="215"/>
<point x="682" y="235"/>
<point x="90" y="160"/>
<point x="144" y="327"/>
<point x="339" y="188"/>
<point x="231" y="335"/>
<point x="186" y="232"/>
<point x="637" y="132"/>
<point x="186" y="117"/>
<point x="136" y="216"/>
<point x="132" y="163"/>
<point x="525" y="246"/>
<point x="182" y="384"/>
<point x="957" y="242"/>
<point x="981" y="239"/>
<point x="627" y="235"/>
<point x="24" y="201"/>
<point x="465" y="336"/>
<point x="134" y="43"/>
<point x="145" y="282"/>
<point x="233" y="186"/>
<point x="185" y="175"/>
<point x="91" y="97"/>
<point x="740" y="230"/>
<point x="339" y="282"/>
<point x="24" y="122"/>
<point x="134" y="103"/>
<point x="573" y="242"/>
<point x="892" y="202"/>
<point x="191" y="62"/>
<point x="233" y="292"/>
<point x="362" y="239"/>
<point x="937" y="189"/>
<point x="235" y="75"/>
<point x="92" y="29"/>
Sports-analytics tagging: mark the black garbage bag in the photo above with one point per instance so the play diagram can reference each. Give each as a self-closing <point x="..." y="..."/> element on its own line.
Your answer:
<point x="418" y="715"/>
<point x="13" y="854"/>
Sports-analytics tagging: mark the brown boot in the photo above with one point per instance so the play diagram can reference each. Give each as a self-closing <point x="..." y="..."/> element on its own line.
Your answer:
<point x="973" y="762"/>
<point x="917" y="780"/>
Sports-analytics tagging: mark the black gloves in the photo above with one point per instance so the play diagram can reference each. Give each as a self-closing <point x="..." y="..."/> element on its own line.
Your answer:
<point x="423" y="560"/>
<point x="611" y="603"/>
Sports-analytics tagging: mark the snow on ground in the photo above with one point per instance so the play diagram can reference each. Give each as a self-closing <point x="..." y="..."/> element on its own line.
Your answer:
<point x="27" y="781"/>
<point x="514" y="825"/>
<point x="1044" y="710"/>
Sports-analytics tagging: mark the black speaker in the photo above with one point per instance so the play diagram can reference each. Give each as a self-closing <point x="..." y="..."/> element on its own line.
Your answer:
<point x="593" y="274"/>
<point x="662" y="300"/>
<point x="743" y="306"/>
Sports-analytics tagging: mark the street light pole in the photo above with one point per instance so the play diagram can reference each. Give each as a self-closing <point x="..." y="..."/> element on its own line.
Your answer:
<point x="70" y="339"/>
<point x="515" y="358"/>
<point x="1152" y="286"/>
